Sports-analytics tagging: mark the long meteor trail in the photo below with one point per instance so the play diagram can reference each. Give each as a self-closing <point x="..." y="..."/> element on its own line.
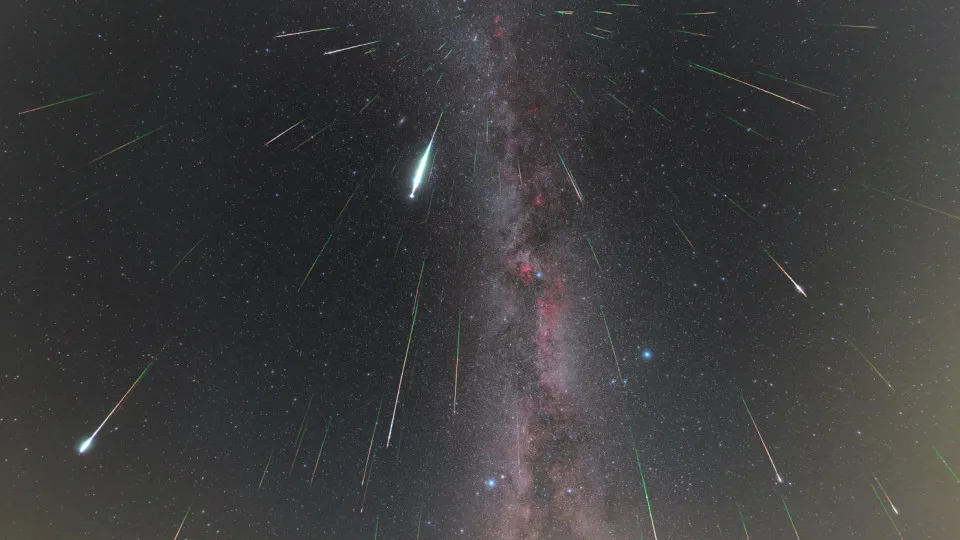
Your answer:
<point x="765" y="449"/>
<point x="406" y="355"/>
<point x="86" y="444"/>
<point x="305" y="32"/>
<point x="124" y="145"/>
<point x="282" y="133"/>
<point x="645" y="494"/>
<point x="610" y="339"/>
<point x="570" y="176"/>
<point x="422" y="167"/>
<point x="59" y="102"/>
<point x="708" y="70"/>
<point x="352" y="47"/>
<point x="456" y="369"/>
<point x="867" y="360"/>
<point x="181" y="524"/>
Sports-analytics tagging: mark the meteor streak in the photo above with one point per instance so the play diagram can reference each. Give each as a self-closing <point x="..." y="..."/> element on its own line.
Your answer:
<point x="618" y="101"/>
<point x="59" y="103"/>
<point x="86" y="444"/>
<point x="181" y="524"/>
<point x="372" y="436"/>
<point x="320" y="453"/>
<point x="675" y="224"/>
<point x="862" y="26"/>
<point x="570" y="176"/>
<point x="794" y="83"/>
<point x="124" y="145"/>
<point x="301" y="433"/>
<point x="305" y="32"/>
<point x="265" y="469"/>
<point x="877" y="495"/>
<point x="351" y="47"/>
<point x="306" y="277"/>
<point x="691" y="33"/>
<point x="743" y="522"/>
<point x="416" y="307"/>
<point x="795" y="284"/>
<point x="945" y="464"/>
<point x="867" y="360"/>
<point x="708" y="70"/>
<point x="187" y="254"/>
<point x="594" y="255"/>
<point x="892" y="507"/>
<point x="915" y="203"/>
<point x="610" y="339"/>
<point x="310" y="138"/>
<point x="794" y="527"/>
<point x="456" y="369"/>
<point x="645" y="494"/>
<point x="749" y="129"/>
<point x="765" y="449"/>
<point x="282" y="133"/>
<point x="418" y="176"/>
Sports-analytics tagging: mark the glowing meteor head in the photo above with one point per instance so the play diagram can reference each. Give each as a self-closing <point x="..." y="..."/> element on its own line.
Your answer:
<point x="85" y="445"/>
<point x="779" y="479"/>
<point x="421" y="169"/>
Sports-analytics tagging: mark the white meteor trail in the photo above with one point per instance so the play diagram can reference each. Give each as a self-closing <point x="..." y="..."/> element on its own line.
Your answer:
<point x="86" y="444"/>
<point x="353" y="47"/>
<point x="422" y="167"/>
<point x="282" y="133"/>
<point x="795" y="284"/>
<point x="765" y="449"/>
<point x="305" y="32"/>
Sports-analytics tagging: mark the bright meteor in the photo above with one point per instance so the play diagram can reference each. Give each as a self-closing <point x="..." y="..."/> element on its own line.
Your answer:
<point x="765" y="449"/>
<point x="422" y="167"/>
<point x="86" y="444"/>
<point x="795" y="284"/>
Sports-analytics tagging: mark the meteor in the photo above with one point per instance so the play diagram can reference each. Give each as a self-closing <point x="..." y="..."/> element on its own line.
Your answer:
<point x="795" y="284"/>
<point x="691" y="33"/>
<point x="861" y="26"/>
<point x="421" y="168"/>
<point x="765" y="449"/>
<point x="181" y="524"/>
<point x="351" y="47"/>
<point x="314" y="262"/>
<point x="570" y="176"/>
<point x="282" y="133"/>
<point x="372" y="437"/>
<point x="86" y="444"/>
<point x="416" y="307"/>
<point x="867" y="360"/>
<point x="618" y="101"/>
<point x="456" y="369"/>
<point x="677" y="225"/>
<point x="708" y="70"/>
<point x="610" y="339"/>
<point x="124" y="145"/>
<point x="892" y="507"/>
<point x="189" y="251"/>
<point x="59" y="102"/>
<point x="265" y="468"/>
<point x="324" y="441"/>
<point x="594" y="255"/>
<point x="885" y="511"/>
<point x="947" y="465"/>
<point x="301" y="433"/>
<point x="645" y="494"/>
<point x="749" y="129"/>
<point x="305" y="32"/>
<point x="790" y="517"/>
<point x="915" y="203"/>
<point x="794" y="83"/>
<point x="314" y="135"/>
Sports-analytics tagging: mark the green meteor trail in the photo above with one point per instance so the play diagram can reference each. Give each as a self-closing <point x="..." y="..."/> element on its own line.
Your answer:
<point x="915" y="203"/>
<point x="742" y="521"/>
<point x="749" y="129"/>
<point x="610" y="339"/>
<point x="708" y="70"/>
<point x="122" y="146"/>
<point x="660" y="113"/>
<point x="320" y="453"/>
<point x="594" y="253"/>
<point x="421" y="168"/>
<point x="59" y="102"/>
<point x="306" y="277"/>
<point x="301" y="433"/>
<point x="618" y="101"/>
<point x="265" y="469"/>
<point x="184" y="520"/>
<point x="596" y="36"/>
<point x="374" y="98"/>
<point x="794" y="527"/>
<point x="86" y="444"/>
<point x="877" y="495"/>
<point x="645" y="494"/>
<point x="945" y="464"/>
<point x="456" y="369"/>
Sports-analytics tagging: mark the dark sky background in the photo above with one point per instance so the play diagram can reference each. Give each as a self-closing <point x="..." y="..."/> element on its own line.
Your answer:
<point x="185" y="252"/>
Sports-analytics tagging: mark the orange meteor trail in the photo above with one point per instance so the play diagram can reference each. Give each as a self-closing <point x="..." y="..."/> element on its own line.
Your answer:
<point x="795" y="284"/>
<point x="765" y="449"/>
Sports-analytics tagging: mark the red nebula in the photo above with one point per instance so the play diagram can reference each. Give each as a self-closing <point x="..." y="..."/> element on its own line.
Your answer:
<point x="539" y="201"/>
<point x="526" y="273"/>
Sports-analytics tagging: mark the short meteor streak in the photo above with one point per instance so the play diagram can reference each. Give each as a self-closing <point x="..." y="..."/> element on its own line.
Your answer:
<point x="765" y="449"/>
<point x="618" y="101"/>
<point x="691" y="33"/>
<point x="945" y="464"/>
<point x="708" y="70"/>
<point x="282" y="133"/>
<point x="890" y="502"/>
<point x="645" y="494"/>
<point x="749" y="129"/>
<point x="677" y="225"/>
<point x="867" y="360"/>
<point x="265" y="469"/>
<point x="374" y="98"/>
<point x="700" y="13"/>
<point x="456" y="369"/>
<point x="612" y="348"/>
<point x="596" y="36"/>
<point x="59" y="103"/>
<point x="187" y="254"/>
<point x="122" y="146"/>
<point x="422" y="167"/>
<point x="301" y="433"/>
<point x="306" y="277"/>
<point x="795" y="83"/>
<point x="86" y="444"/>
<point x="320" y="453"/>
<point x="181" y="524"/>
<point x="291" y="34"/>
<point x="743" y="522"/>
<point x="570" y="176"/>
<point x="594" y="254"/>
<point x="795" y="284"/>
<point x="406" y="355"/>
<point x="351" y="47"/>
<point x="861" y="26"/>
<point x="373" y="436"/>
<point x="915" y="203"/>
<point x="794" y="527"/>
<point x="660" y="114"/>
<point x="877" y="495"/>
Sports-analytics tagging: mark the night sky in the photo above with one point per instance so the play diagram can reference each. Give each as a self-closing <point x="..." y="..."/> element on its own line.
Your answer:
<point x="671" y="270"/>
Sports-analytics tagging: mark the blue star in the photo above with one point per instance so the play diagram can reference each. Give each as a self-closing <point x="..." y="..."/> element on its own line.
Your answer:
<point x="491" y="483"/>
<point x="647" y="354"/>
